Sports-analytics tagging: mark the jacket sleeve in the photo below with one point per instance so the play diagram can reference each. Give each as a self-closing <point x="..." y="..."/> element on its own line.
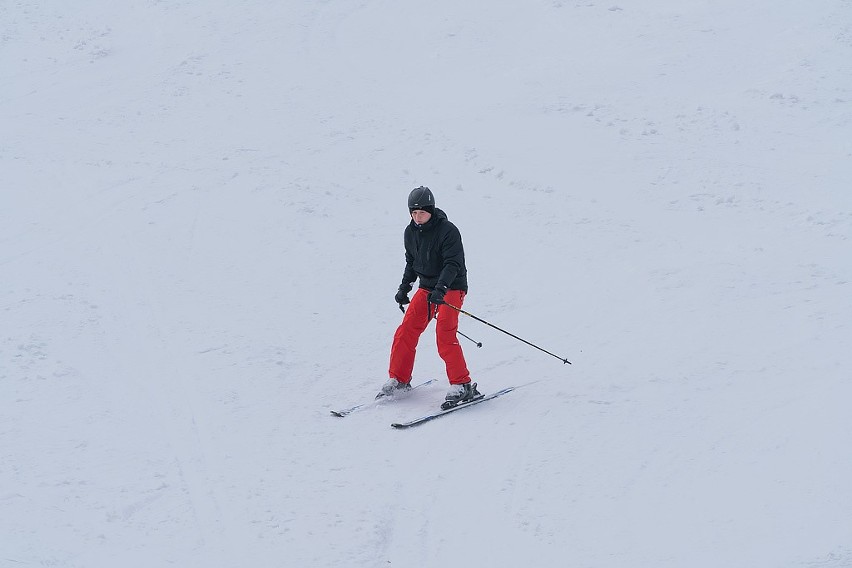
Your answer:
<point x="452" y="252"/>
<point x="408" y="275"/>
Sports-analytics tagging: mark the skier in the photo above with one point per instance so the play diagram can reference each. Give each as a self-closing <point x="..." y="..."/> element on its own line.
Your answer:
<point x="434" y="254"/>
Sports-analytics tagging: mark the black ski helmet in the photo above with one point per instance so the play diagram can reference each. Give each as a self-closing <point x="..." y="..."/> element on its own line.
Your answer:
<point x="421" y="198"/>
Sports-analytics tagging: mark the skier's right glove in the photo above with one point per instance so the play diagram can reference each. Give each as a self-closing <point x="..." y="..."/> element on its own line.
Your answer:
<point x="402" y="294"/>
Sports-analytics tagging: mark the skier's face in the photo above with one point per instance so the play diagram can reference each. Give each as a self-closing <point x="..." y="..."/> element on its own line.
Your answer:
<point x="421" y="217"/>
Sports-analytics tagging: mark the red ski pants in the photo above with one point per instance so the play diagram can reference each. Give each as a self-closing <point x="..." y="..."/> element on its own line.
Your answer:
<point x="414" y="323"/>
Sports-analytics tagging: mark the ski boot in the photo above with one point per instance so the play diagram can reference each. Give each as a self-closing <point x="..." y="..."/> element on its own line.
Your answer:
<point x="459" y="394"/>
<point x="392" y="388"/>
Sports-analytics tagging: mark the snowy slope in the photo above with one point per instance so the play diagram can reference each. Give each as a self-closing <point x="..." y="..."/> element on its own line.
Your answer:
<point x="201" y="211"/>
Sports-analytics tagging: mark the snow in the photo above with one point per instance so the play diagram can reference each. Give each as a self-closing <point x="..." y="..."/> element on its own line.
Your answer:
<point x="201" y="214"/>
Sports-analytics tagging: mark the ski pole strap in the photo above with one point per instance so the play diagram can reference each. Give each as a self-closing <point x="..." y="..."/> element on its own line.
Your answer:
<point x="468" y="314"/>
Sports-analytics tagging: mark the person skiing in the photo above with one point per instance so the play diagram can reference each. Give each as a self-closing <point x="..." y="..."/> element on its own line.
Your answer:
<point x="433" y="254"/>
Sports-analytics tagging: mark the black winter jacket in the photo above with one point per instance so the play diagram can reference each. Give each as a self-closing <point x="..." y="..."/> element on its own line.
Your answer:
<point x="434" y="253"/>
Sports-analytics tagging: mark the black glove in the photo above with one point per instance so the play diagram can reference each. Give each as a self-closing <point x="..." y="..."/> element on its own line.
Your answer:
<point x="402" y="294"/>
<point x="437" y="295"/>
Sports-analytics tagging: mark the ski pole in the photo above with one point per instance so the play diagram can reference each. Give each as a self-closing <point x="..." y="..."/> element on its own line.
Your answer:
<point x="461" y="311"/>
<point x="478" y="343"/>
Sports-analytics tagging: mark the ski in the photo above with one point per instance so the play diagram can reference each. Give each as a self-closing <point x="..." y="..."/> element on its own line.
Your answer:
<point x="365" y="405"/>
<point x="440" y="413"/>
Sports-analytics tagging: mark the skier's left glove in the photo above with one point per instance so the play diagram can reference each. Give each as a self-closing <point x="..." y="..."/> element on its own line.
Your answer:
<point x="437" y="295"/>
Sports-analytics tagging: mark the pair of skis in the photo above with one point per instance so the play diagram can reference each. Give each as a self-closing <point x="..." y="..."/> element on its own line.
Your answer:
<point x="428" y="417"/>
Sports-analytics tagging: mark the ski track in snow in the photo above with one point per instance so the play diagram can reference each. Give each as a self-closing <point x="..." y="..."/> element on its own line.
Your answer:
<point x="200" y="238"/>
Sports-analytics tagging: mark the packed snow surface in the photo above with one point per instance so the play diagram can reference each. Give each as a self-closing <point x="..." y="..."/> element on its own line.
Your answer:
<point x="201" y="215"/>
